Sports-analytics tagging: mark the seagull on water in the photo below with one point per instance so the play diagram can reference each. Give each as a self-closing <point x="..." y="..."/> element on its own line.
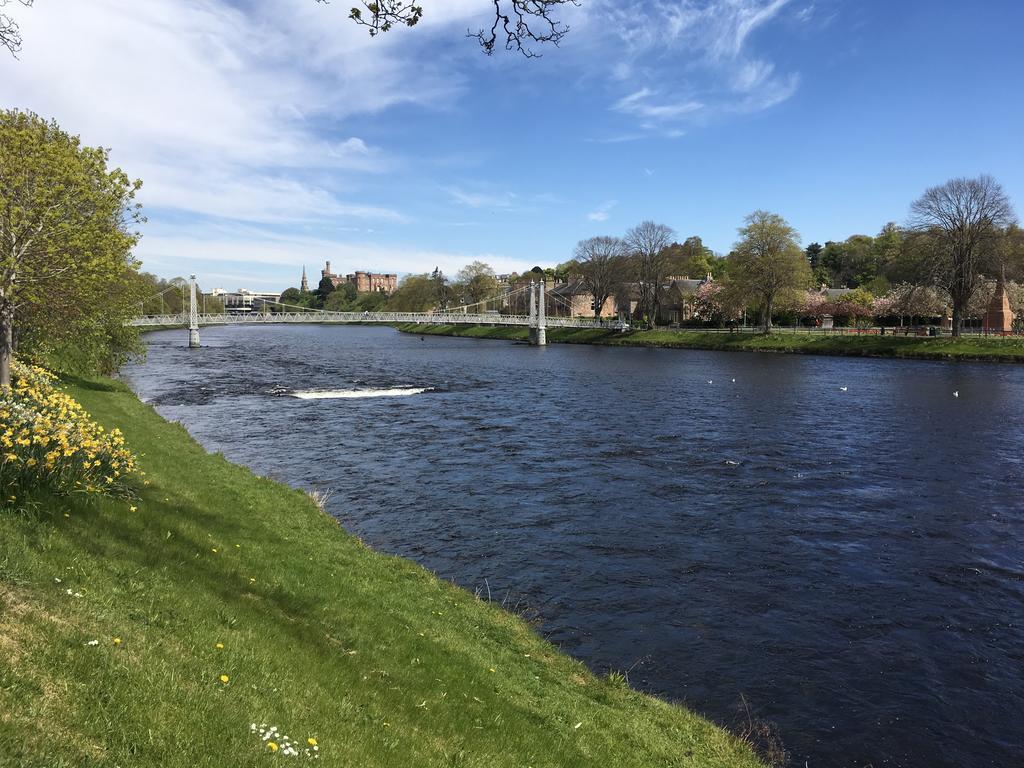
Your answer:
<point x="734" y="381"/>
<point x="710" y="381"/>
<point x="956" y="393"/>
<point x="843" y="389"/>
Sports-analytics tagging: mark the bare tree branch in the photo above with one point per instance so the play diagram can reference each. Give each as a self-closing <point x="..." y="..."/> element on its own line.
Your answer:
<point x="647" y="243"/>
<point x="601" y="263"/>
<point x="960" y="223"/>
<point x="519" y="22"/>
<point x="10" y="33"/>
<point x="513" y="19"/>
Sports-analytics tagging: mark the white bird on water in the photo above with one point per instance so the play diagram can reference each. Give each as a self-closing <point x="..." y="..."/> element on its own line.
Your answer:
<point x="734" y="381"/>
<point x="956" y="393"/>
<point x="843" y="389"/>
<point x="710" y="381"/>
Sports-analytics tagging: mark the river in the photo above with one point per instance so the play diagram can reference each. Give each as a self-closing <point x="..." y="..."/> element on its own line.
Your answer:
<point x="840" y="541"/>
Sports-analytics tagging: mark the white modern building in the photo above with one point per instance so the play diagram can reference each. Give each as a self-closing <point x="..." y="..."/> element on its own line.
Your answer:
<point x="244" y="301"/>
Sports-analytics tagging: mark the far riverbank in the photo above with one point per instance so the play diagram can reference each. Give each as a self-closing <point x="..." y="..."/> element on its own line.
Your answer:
<point x="975" y="349"/>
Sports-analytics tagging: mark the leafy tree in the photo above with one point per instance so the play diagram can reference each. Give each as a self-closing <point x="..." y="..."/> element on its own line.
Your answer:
<point x="601" y="264"/>
<point x="813" y="253"/>
<point x="567" y="270"/>
<point x="854" y="306"/>
<point x="649" y="259"/>
<point x="909" y="300"/>
<point x="713" y="302"/>
<point x="172" y="296"/>
<point x="887" y="247"/>
<point x="415" y="294"/>
<point x="850" y="263"/>
<point x="767" y="262"/>
<point x="1010" y="253"/>
<point x="691" y="258"/>
<point x="479" y="282"/>
<point x="65" y="243"/>
<point x="339" y="301"/>
<point x="961" y="223"/>
<point x="719" y="266"/>
<point x="348" y="290"/>
<point x="373" y="301"/>
<point x="292" y="296"/>
<point x="81" y="324"/>
<point x="323" y="290"/>
<point x="442" y="291"/>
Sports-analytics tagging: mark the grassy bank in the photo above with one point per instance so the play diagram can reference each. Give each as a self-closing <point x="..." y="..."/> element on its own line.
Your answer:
<point x="1009" y="349"/>
<point x="155" y="636"/>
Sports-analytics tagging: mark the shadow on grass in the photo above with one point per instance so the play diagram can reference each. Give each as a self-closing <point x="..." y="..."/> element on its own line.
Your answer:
<point x="95" y="385"/>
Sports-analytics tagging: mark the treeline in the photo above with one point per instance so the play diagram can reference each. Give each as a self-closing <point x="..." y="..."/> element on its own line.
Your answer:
<point x="417" y="293"/>
<point x="960" y="239"/>
<point x="171" y="297"/>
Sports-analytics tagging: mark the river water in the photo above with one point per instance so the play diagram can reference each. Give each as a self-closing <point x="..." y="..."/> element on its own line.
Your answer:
<point x="850" y="561"/>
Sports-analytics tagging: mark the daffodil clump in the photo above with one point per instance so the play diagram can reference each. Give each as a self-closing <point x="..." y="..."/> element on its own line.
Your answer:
<point x="283" y="746"/>
<point x="48" y="441"/>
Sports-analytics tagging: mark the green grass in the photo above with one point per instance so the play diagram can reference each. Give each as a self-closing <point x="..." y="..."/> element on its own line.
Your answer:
<point x="380" y="661"/>
<point x="1009" y="349"/>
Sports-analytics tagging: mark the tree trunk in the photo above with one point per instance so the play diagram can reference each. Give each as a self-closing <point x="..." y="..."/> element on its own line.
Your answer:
<point x="6" y="343"/>
<point x="768" y="316"/>
<point x="958" y="318"/>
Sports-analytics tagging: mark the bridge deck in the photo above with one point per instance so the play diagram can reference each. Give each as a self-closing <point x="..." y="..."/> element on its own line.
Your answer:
<point x="432" y="318"/>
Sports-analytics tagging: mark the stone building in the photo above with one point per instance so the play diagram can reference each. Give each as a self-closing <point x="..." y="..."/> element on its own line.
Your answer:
<point x="676" y="303"/>
<point x="365" y="282"/>
<point x="574" y="299"/>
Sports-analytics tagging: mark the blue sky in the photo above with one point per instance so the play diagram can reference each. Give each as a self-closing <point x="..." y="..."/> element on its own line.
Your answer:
<point x="274" y="133"/>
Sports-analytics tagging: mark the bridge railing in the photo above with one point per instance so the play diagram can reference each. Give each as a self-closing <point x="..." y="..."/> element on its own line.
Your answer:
<point x="432" y="318"/>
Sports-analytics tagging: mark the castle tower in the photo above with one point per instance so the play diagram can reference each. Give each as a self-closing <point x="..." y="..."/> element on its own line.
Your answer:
<point x="304" y="287"/>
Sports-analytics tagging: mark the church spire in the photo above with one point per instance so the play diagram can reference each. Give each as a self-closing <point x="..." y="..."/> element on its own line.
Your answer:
<point x="305" y="283"/>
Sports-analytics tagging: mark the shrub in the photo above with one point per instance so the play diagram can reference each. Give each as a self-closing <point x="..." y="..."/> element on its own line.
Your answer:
<point x="48" y="442"/>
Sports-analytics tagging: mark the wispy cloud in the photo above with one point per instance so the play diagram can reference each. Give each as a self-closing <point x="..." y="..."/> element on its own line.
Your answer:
<point x="478" y="199"/>
<point x="690" y="61"/>
<point x="250" y="257"/>
<point x="805" y="14"/>
<point x="645" y="103"/>
<point x="215" y="111"/>
<point x="603" y="211"/>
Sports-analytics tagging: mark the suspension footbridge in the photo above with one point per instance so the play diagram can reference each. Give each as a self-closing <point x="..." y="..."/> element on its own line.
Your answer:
<point x="538" y="319"/>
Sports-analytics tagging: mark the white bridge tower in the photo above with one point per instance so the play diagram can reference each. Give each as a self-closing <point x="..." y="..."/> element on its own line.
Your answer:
<point x="193" y="315"/>
<point x="538" y="314"/>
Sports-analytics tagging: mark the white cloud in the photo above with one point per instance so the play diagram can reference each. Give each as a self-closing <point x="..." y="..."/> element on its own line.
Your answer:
<point x="221" y="111"/>
<point x="751" y="75"/>
<point x="210" y="253"/>
<point x="477" y="199"/>
<point x="643" y="104"/>
<point x="805" y="14"/>
<point x="698" y="54"/>
<point x="603" y="211"/>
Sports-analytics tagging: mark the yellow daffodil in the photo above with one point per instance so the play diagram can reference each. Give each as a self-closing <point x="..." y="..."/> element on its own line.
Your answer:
<point x="224" y="679"/>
